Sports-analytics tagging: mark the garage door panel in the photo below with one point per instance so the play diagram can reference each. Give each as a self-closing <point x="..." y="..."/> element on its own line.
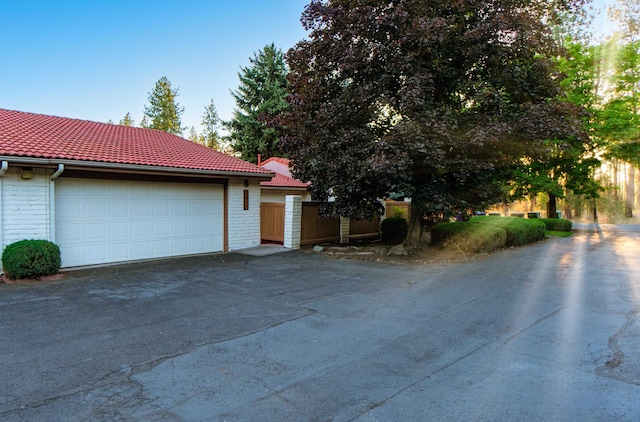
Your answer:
<point x="96" y="190"/>
<point x="97" y="230"/>
<point x="95" y="209"/>
<point x="161" y="209"/>
<point x="180" y="208"/>
<point x="179" y="246"/>
<point x="118" y="209"/>
<point x="162" y="248"/>
<point x="110" y="221"/>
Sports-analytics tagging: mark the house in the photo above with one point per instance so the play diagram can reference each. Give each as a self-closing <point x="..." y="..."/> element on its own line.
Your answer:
<point x="282" y="184"/>
<point x="273" y="197"/>
<point x="107" y="193"/>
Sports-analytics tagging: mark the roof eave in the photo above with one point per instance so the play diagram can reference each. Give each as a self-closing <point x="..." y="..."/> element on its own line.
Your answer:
<point x="98" y="165"/>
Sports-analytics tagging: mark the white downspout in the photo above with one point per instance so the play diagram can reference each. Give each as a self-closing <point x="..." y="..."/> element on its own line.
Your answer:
<point x="3" y="170"/>
<point x="52" y="203"/>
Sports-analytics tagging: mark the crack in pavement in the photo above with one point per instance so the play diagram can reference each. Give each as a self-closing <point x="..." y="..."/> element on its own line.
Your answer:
<point x="612" y="367"/>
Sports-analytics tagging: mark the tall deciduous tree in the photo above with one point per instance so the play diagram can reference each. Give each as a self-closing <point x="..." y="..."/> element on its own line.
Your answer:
<point x="568" y="163"/>
<point x="260" y="102"/>
<point x="163" y="112"/>
<point x="434" y="99"/>
<point x="622" y="111"/>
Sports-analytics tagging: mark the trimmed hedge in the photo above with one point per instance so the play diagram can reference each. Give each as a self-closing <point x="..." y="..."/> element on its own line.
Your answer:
<point x="468" y="236"/>
<point x="31" y="259"/>
<point x="394" y="230"/>
<point x="520" y="231"/>
<point x="485" y="234"/>
<point x="557" y="224"/>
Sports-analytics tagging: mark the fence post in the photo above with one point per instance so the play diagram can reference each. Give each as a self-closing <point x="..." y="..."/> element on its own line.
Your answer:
<point x="345" y="227"/>
<point x="292" y="221"/>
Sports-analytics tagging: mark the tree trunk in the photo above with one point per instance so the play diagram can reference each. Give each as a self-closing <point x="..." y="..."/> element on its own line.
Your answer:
<point x="414" y="236"/>
<point x="551" y="206"/>
<point x="636" y="203"/>
<point x="616" y="198"/>
<point x="629" y="191"/>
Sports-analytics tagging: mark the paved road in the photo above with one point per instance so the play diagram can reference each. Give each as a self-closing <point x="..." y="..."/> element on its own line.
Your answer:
<point x="544" y="332"/>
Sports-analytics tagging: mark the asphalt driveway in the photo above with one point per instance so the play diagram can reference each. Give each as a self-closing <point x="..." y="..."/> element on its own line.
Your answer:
<point x="545" y="332"/>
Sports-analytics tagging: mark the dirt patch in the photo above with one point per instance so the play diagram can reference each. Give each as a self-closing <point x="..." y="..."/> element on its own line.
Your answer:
<point x="8" y="280"/>
<point x="372" y="251"/>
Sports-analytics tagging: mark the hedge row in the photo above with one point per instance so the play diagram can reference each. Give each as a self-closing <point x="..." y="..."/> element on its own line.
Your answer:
<point x="520" y="231"/>
<point x="557" y="224"/>
<point x="468" y="236"/>
<point x="485" y="234"/>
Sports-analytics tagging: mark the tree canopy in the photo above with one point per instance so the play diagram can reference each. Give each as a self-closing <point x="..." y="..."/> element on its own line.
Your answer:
<point x="163" y="112"/>
<point x="260" y="102"/>
<point x="127" y="120"/>
<point x="434" y="100"/>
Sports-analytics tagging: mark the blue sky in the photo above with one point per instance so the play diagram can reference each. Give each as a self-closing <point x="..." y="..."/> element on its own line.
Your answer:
<point x="98" y="60"/>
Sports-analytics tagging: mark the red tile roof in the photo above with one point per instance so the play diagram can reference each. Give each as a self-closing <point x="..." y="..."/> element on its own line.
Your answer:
<point x="59" y="138"/>
<point x="282" y="181"/>
<point x="280" y="160"/>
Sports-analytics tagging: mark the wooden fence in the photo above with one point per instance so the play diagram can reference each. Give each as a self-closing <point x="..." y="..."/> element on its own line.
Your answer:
<point x="272" y="222"/>
<point x="316" y="229"/>
<point x="364" y="229"/>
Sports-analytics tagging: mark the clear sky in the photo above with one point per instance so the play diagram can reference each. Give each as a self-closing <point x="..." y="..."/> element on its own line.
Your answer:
<point x="99" y="59"/>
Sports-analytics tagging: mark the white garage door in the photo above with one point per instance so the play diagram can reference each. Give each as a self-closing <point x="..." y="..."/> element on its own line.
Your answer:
<point x="101" y="221"/>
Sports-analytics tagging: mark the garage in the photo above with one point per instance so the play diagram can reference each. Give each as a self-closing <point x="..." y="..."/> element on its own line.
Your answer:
<point x="101" y="221"/>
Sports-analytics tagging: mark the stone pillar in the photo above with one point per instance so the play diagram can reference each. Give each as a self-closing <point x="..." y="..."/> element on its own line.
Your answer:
<point x="292" y="221"/>
<point x="345" y="227"/>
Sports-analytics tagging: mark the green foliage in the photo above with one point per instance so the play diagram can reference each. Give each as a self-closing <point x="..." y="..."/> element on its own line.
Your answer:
<point x="260" y="103"/>
<point x="520" y="231"/>
<point x="210" y="136"/>
<point x="31" y="259"/>
<point x="558" y="234"/>
<point x="211" y="123"/>
<point x="557" y="224"/>
<point x="399" y="212"/>
<point x="433" y="99"/>
<point x="568" y="162"/>
<point x="468" y="236"/>
<point x="394" y="230"/>
<point x="163" y="112"/>
<point x="127" y="120"/>
<point x="620" y="116"/>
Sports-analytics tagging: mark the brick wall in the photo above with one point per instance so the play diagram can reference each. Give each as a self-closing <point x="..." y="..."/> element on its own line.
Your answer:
<point x="244" y="225"/>
<point x="25" y="212"/>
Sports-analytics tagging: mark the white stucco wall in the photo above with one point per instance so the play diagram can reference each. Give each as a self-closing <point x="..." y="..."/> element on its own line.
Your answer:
<point x="25" y="211"/>
<point x="243" y="225"/>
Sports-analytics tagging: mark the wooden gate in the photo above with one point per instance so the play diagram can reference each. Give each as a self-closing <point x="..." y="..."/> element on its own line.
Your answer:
<point x="272" y="222"/>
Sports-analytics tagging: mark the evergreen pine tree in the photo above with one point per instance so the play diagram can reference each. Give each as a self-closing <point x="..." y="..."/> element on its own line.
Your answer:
<point x="260" y="102"/>
<point x="163" y="112"/>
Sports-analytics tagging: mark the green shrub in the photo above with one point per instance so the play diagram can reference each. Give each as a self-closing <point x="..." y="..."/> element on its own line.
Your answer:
<point x="520" y="231"/>
<point x="443" y="231"/>
<point x="557" y="224"/>
<point x="394" y="230"/>
<point x="31" y="259"/>
<point x="468" y="236"/>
